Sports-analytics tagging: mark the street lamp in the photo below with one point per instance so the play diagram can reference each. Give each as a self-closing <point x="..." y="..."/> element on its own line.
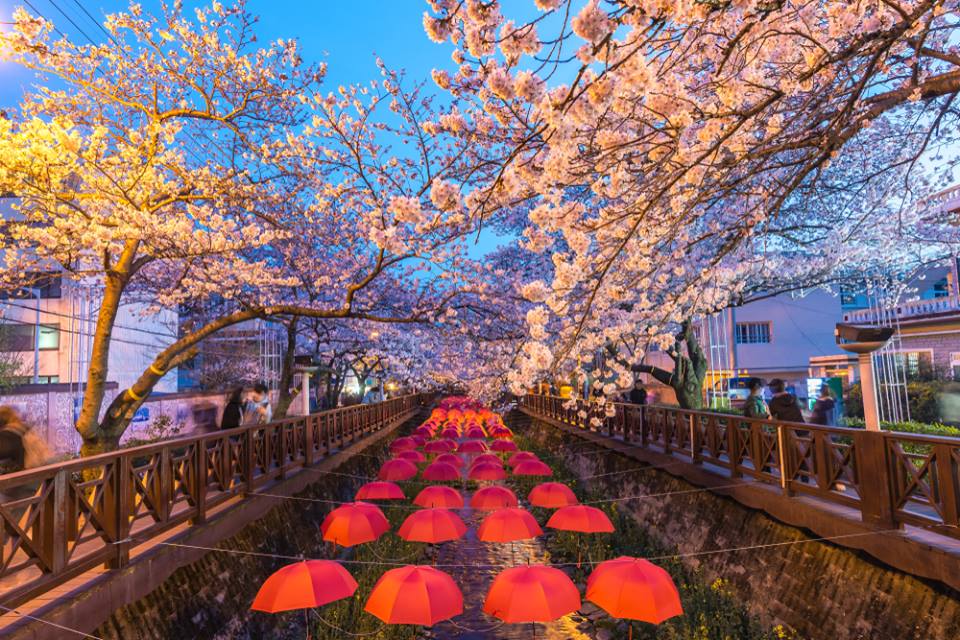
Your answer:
<point x="863" y="341"/>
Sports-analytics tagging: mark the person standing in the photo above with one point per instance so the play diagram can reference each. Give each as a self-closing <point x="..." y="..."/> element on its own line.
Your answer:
<point x="784" y="405"/>
<point x="20" y="446"/>
<point x="258" y="409"/>
<point x="823" y="407"/>
<point x="755" y="406"/>
<point x="638" y="395"/>
<point x="233" y="412"/>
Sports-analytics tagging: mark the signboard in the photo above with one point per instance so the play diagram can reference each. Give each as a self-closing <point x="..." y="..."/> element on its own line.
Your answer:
<point x="142" y="415"/>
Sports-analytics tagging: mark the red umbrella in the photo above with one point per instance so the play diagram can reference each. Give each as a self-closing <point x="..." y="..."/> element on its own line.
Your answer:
<point x="354" y="523"/>
<point x="521" y="456"/>
<point x="439" y="496"/>
<point x="532" y="468"/>
<point x="403" y="444"/>
<point x="436" y="446"/>
<point x="472" y="446"/>
<point x="552" y="495"/>
<point x="450" y="458"/>
<point x="423" y="431"/>
<point x="419" y="438"/>
<point x="432" y="525"/>
<point x="491" y="458"/>
<point x="635" y="589"/>
<point x="304" y="585"/>
<point x="476" y="432"/>
<point x="486" y="471"/>
<point x="450" y="433"/>
<point x="415" y="595"/>
<point x="580" y="518"/>
<point x="380" y="491"/>
<point x="534" y="593"/>
<point x="490" y="498"/>
<point x="441" y="472"/>
<point x="412" y="455"/>
<point x="503" y="445"/>
<point x="508" y="525"/>
<point x="397" y="469"/>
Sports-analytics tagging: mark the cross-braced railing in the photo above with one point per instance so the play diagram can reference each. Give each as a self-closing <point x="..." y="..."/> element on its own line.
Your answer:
<point x="892" y="478"/>
<point x="63" y="519"/>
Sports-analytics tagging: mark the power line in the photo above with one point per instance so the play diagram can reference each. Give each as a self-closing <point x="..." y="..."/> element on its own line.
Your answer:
<point x="39" y="13"/>
<point x="71" y="21"/>
<point x="96" y="22"/>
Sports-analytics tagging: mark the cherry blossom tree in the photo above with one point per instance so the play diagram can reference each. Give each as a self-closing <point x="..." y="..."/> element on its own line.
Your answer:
<point x="674" y="158"/>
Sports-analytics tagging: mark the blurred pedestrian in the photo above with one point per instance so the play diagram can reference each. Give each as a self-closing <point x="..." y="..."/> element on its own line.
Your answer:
<point x="783" y="404"/>
<point x="233" y="411"/>
<point x="823" y="407"/>
<point x="755" y="406"/>
<point x="638" y="395"/>
<point x="258" y="409"/>
<point x="20" y="446"/>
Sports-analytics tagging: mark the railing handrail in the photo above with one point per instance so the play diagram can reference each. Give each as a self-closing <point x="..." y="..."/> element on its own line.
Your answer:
<point x="175" y="442"/>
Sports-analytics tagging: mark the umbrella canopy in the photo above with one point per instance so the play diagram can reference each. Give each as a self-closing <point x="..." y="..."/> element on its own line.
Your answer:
<point x="486" y="471"/>
<point x="419" y="438"/>
<point x="503" y="445"/>
<point x="580" y="518"/>
<point x="439" y="496"/>
<point x="380" y="491"/>
<point x="634" y="588"/>
<point x="441" y="472"/>
<point x="472" y="446"/>
<point x="403" y="444"/>
<point x="476" y="432"/>
<point x="304" y="585"/>
<point x="412" y="455"/>
<point x="508" y="525"/>
<point x="532" y="468"/>
<point x="450" y="433"/>
<point x="450" y="458"/>
<point x="423" y="431"/>
<point x="492" y="458"/>
<point x="438" y="446"/>
<point x="534" y="593"/>
<point x="354" y="523"/>
<point x="397" y="469"/>
<point x="415" y="595"/>
<point x="490" y="498"/>
<point x="432" y="525"/>
<point x="521" y="456"/>
<point x="552" y="495"/>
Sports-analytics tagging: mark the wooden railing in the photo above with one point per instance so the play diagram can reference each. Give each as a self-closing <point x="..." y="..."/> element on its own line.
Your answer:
<point x="892" y="478"/>
<point x="64" y="519"/>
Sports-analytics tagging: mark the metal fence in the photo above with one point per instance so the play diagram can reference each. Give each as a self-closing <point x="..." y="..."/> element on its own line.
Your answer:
<point x="64" y="519"/>
<point x="892" y="478"/>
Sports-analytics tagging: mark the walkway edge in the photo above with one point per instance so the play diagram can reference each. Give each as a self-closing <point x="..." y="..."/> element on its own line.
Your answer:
<point x="89" y="605"/>
<point x="901" y="552"/>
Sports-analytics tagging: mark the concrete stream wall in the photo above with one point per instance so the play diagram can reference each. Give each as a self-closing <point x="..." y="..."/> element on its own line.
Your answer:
<point x="819" y="589"/>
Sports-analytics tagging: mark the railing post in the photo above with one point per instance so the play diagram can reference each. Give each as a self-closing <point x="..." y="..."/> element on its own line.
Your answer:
<point x="948" y="491"/>
<point x="308" y="452"/>
<point x="733" y="447"/>
<point x="785" y="458"/>
<point x="695" y="441"/>
<point x="53" y="540"/>
<point x="248" y="459"/>
<point x="874" y="479"/>
<point x="199" y="476"/>
<point x="119" y="505"/>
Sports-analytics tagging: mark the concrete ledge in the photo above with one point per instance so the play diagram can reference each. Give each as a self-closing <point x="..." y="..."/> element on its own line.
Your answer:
<point x="914" y="551"/>
<point x="90" y="603"/>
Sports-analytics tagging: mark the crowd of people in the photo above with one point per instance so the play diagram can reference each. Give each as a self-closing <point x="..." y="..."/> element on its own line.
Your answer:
<point x="784" y="405"/>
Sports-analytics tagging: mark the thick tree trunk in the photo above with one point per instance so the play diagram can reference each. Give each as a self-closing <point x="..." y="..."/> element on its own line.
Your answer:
<point x="286" y="373"/>
<point x="689" y="369"/>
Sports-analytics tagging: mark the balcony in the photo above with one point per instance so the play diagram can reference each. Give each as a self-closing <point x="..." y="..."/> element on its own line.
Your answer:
<point x="906" y="310"/>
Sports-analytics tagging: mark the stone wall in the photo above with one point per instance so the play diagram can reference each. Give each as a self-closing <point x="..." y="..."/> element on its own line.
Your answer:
<point x="818" y="589"/>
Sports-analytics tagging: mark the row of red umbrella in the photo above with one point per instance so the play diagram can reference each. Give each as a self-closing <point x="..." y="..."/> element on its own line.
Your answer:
<point x="446" y="467"/>
<point x="628" y="588"/>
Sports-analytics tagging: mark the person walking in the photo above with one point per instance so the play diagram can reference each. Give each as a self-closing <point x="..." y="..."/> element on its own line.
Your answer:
<point x="784" y="405"/>
<point x="233" y="412"/>
<point x="20" y="446"/>
<point x="823" y="407"/>
<point x="755" y="406"/>
<point x="258" y="409"/>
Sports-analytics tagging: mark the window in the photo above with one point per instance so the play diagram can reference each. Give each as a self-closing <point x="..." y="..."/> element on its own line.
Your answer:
<point x="915" y="365"/>
<point x="40" y="380"/>
<point x="955" y="365"/>
<point x="49" y="285"/>
<point x="19" y="337"/>
<point x="753" y="332"/>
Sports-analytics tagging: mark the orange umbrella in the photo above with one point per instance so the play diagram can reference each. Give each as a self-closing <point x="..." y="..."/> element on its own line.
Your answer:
<point x="534" y="593"/>
<point x="508" y="525"/>
<point x="439" y="496"/>
<point x="486" y="471"/>
<point x="552" y="495"/>
<point x="380" y="491"/>
<point x="354" y="523"/>
<point x="635" y="589"/>
<point x="432" y="525"/>
<point x="441" y="472"/>
<point x="521" y="456"/>
<point x="397" y="469"/>
<point x="415" y="594"/>
<point x="580" y="518"/>
<point x="303" y="585"/>
<point x="490" y="498"/>
<point x="532" y="468"/>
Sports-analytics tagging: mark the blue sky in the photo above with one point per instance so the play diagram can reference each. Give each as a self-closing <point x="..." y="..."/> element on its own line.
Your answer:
<point x="347" y="35"/>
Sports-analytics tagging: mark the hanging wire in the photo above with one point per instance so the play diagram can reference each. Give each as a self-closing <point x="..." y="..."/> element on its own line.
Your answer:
<point x="52" y="624"/>
<point x="349" y="633"/>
